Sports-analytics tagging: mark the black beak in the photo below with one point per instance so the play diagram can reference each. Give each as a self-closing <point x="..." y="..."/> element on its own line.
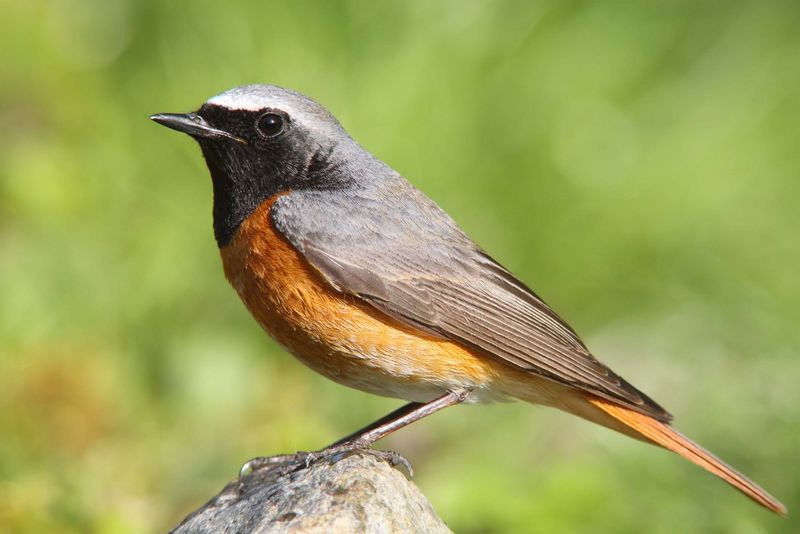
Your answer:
<point x="192" y="124"/>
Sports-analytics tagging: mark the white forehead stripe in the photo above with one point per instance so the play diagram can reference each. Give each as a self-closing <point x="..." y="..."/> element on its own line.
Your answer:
<point x="244" y="98"/>
<point x="257" y="97"/>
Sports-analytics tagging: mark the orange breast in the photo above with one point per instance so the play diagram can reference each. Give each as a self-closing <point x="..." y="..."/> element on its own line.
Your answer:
<point x="336" y="334"/>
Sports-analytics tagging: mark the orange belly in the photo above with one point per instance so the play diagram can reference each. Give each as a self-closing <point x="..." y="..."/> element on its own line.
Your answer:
<point x="335" y="334"/>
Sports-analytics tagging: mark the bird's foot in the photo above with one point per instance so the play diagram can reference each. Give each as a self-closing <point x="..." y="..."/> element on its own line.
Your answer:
<point x="289" y="463"/>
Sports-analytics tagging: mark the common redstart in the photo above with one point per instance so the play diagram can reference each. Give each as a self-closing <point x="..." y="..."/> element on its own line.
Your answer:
<point x="367" y="281"/>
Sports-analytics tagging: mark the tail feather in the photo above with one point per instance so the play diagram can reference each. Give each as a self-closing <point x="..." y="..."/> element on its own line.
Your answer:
<point x="664" y="435"/>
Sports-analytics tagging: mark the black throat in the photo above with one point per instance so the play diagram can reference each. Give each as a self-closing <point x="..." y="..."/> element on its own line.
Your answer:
<point x="240" y="183"/>
<point x="245" y="175"/>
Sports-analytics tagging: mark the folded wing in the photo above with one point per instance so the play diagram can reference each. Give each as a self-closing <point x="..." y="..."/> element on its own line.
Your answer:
<point x="399" y="252"/>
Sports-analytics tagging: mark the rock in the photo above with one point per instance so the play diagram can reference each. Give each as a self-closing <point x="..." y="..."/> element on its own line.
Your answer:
<point x="358" y="493"/>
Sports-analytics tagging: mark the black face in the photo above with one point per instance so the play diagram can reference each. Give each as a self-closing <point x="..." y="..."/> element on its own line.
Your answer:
<point x="255" y="155"/>
<point x="252" y="156"/>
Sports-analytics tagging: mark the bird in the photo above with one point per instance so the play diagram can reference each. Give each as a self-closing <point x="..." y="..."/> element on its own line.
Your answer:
<point x="367" y="281"/>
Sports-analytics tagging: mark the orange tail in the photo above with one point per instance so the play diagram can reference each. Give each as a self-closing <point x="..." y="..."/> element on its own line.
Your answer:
<point x="664" y="435"/>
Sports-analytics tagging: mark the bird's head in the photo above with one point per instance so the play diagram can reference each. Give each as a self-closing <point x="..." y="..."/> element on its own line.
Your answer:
<point x="258" y="141"/>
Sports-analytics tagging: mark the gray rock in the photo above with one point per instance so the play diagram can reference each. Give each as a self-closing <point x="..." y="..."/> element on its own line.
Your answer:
<point x="359" y="493"/>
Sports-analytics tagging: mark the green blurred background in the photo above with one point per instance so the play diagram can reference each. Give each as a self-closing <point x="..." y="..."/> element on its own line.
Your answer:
<point x="637" y="164"/>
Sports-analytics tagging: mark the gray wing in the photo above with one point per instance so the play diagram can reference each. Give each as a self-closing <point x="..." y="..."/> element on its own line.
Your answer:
<point x="395" y="249"/>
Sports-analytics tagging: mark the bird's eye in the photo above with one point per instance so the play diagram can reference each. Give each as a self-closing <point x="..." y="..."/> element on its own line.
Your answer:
<point x="270" y="124"/>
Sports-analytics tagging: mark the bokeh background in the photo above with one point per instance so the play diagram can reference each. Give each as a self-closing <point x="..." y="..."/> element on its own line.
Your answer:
<point x="636" y="163"/>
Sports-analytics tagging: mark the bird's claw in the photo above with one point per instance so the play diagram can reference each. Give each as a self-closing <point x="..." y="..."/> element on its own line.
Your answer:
<point x="288" y="463"/>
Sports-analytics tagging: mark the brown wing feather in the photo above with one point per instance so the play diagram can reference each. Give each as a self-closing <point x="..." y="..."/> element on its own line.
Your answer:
<point x="415" y="265"/>
<point x="490" y="311"/>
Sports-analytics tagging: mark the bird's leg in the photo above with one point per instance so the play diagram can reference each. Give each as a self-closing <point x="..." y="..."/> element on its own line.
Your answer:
<point x="398" y="413"/>
<point x="364" y="438"/>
